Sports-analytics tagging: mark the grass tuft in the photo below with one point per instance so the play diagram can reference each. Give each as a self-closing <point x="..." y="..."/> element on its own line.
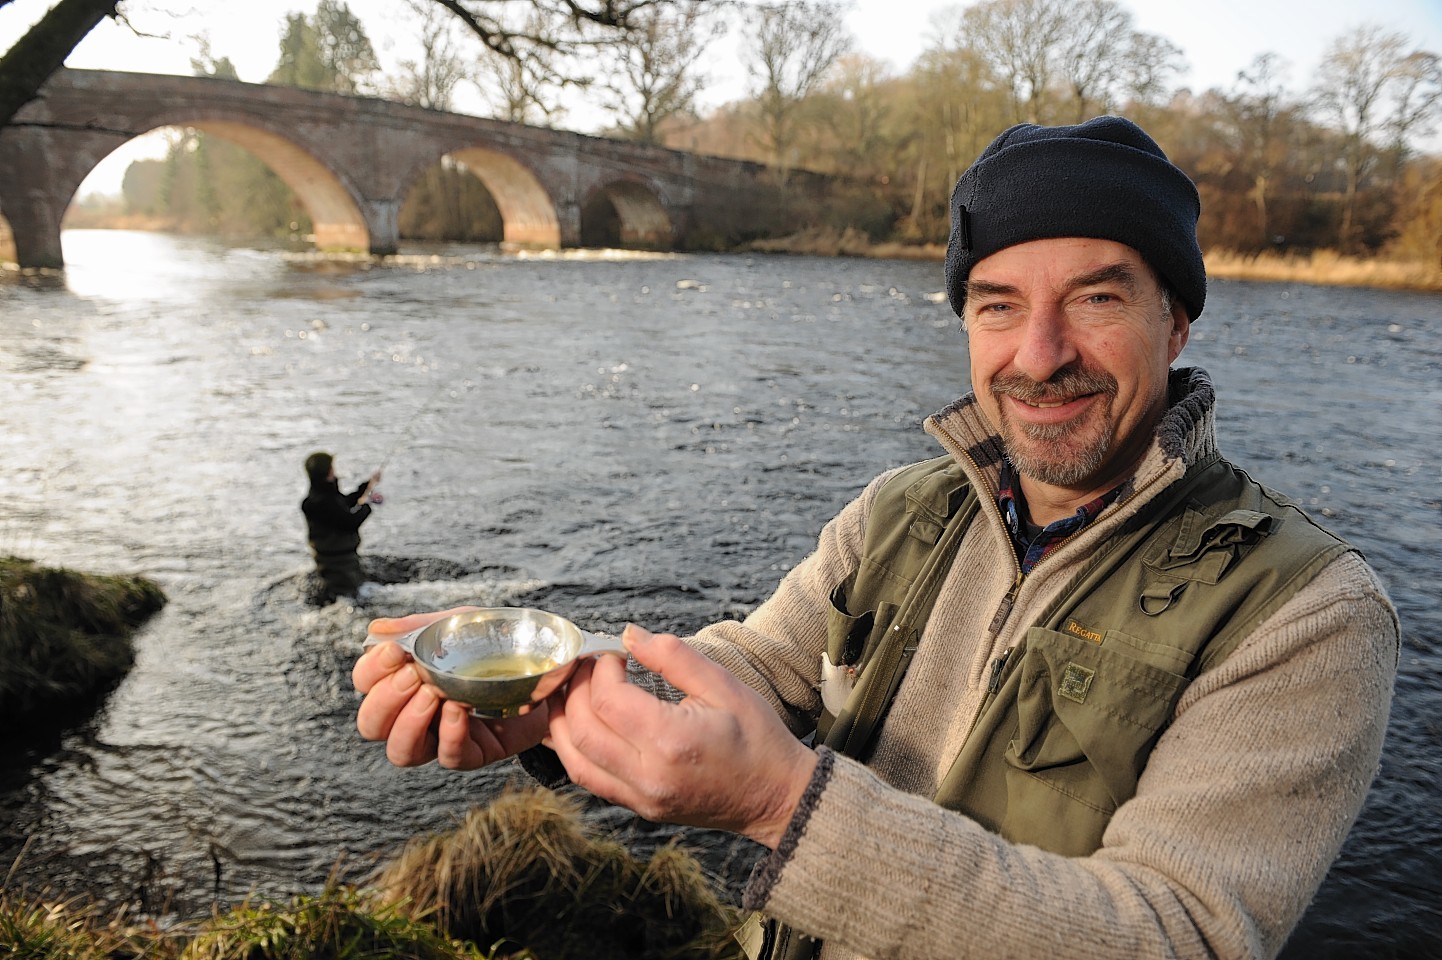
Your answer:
<point x="522" y="873"/>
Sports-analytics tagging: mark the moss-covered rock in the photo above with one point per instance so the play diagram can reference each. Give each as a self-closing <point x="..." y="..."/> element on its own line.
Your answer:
<point x="65" y="637"/>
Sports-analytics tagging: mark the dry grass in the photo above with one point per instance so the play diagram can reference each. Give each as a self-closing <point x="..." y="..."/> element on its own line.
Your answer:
<point x="1326" y="268"/>
<point x="848" y="242"/>
<point x="523" y="874"/>
<point x="337" y="924"/>
<point x="41" y="929"/>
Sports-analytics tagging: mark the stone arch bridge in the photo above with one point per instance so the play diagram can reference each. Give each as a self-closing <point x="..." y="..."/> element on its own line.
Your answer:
<point x="350" y="161"/>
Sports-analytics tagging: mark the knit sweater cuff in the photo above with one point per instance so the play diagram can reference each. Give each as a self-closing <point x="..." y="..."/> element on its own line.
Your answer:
<point x="768" y="870"/>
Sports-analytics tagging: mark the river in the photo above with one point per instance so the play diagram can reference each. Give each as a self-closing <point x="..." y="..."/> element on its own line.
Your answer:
<point x="611" y="436"/>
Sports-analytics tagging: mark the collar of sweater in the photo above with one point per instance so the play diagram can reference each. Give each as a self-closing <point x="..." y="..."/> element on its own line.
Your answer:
<point x="1186" y="433"/>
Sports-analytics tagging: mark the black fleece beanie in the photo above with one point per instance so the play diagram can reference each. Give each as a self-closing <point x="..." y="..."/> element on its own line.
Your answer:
<point x="1104" y="179"/>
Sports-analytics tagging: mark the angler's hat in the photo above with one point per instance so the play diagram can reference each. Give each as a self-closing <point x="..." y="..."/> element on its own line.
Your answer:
<point x="1104" y="178"/>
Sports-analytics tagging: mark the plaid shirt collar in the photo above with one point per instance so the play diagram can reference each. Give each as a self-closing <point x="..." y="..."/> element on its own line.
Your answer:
<point x="1029" y="548"/>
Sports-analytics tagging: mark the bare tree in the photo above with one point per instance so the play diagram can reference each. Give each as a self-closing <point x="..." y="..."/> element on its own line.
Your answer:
<point x="557" y="26"/>
<point x="567" y="24"/>
<point x="653" y="67"/>
<point x="1085" y="53"/>
<point x="796" y="43"/>
<point x="859" y="113"/>
<point x="956" y="105"/>
<point x="1261" y="119"/>
<point x="522" y="89"/>
<point x="1416" y="100"/>
<point x="1091" y="54"/>
<point x="1373" y="92"/>
<point x="34" y="57"/>
<point x="1151" y="63"/>
<point x="1021" y="39"/>
<point x="431" y="81"/>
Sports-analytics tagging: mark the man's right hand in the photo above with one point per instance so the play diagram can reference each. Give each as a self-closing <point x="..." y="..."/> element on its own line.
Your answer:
<point x="417" y="723"/>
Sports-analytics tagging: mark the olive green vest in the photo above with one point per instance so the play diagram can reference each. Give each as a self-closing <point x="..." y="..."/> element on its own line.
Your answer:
<point x="1074" y="708"/>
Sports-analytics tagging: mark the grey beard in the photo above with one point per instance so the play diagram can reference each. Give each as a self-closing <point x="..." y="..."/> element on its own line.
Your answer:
<point x="1055" y="463"/>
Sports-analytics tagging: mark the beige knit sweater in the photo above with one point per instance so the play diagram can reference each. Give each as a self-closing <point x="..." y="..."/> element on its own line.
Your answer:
<point x="1242" y="807"/>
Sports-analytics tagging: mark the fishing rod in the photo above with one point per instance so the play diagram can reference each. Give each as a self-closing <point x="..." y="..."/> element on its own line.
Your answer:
<point x="408" y="433"/>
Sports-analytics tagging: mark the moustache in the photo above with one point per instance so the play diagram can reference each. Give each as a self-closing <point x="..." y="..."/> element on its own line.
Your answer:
<point x="1066" y="384"/>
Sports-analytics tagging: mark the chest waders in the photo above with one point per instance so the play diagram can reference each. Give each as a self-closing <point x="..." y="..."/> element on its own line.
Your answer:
<point x="1074" y="708"/>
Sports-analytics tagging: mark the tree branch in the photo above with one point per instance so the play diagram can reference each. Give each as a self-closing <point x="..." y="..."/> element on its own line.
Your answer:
<point x="29" y="63"/>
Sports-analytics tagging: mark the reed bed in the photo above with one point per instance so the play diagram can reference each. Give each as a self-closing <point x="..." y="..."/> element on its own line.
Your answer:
<point x="1326" y="268"/>
<point x="1322" y="267"/>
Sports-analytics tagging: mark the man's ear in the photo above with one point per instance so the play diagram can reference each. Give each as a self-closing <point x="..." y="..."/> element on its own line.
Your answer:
<point x="1181" y="329"/>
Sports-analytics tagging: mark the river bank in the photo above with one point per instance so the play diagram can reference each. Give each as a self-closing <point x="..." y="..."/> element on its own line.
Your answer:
<point x="1321" y="267"/>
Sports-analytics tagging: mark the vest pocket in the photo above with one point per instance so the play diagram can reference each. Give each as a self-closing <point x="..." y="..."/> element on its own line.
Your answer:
<point x="849" y="640"/>
<point x="1087" y="716"/>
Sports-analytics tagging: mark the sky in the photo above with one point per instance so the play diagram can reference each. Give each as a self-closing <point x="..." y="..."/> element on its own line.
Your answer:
<point x="1218" y="39"/>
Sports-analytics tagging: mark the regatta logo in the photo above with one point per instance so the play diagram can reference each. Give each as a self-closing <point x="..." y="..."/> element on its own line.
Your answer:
<point x="1077" y="630"/>
<point x="1076" y="680"/>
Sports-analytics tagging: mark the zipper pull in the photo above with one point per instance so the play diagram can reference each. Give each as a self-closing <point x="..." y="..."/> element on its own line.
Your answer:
<point x="997" y="666"/>
<point x="998" y="619"/>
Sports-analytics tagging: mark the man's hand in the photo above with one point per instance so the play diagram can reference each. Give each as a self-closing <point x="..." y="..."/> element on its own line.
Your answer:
<point x="416" y="722"/>
<point x="720" y="758"/>
<point x="371" y="494"/>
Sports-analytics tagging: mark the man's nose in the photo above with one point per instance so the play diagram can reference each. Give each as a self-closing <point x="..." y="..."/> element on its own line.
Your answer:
<point x="1046" y="344"/>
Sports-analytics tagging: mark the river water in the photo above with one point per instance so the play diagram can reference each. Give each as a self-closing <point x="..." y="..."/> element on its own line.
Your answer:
<point x="613" y="437"/>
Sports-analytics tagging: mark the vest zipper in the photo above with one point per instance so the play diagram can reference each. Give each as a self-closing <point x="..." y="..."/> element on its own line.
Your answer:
<point x="1003" y="611"/>
<point x="998" y="666"/>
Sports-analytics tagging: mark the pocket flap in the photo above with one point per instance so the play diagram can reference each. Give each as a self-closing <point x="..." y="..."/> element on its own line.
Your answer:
<point x="1082" y="703"/>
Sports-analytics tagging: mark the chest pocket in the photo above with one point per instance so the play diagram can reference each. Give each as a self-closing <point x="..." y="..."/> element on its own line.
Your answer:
<point x="1086" y="718"/>
<point x="1202" y="553"/>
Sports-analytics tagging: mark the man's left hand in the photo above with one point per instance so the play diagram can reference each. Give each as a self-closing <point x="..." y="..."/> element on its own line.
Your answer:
<point x="720" y="758"/>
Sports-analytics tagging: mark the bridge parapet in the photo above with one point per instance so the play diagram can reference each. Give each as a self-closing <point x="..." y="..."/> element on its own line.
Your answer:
<point x="350" y="161"/>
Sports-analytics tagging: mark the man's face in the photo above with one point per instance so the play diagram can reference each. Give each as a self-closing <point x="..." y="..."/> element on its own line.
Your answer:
<point x="1070" y="343"/>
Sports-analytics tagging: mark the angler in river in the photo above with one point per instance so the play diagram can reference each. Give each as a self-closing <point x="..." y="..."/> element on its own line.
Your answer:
<point x="1078" y="687"/>
<point x="333" y="520"/>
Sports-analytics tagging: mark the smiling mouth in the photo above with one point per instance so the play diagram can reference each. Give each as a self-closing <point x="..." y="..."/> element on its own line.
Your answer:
<point x="1072" y="387"/>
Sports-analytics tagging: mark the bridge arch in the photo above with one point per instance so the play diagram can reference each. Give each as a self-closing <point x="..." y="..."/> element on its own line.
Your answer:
<point x="337" y="219"/>
<point x="627" y="213"/>
<point x="528" y="214"/>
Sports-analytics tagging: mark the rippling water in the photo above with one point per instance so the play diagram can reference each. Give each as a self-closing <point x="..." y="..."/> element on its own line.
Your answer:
<point x="648" y="438"/>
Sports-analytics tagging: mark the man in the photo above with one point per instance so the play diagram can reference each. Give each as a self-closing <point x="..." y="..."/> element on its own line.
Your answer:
<point x="1083" y="688"/>
<point x="333" y="520"/>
